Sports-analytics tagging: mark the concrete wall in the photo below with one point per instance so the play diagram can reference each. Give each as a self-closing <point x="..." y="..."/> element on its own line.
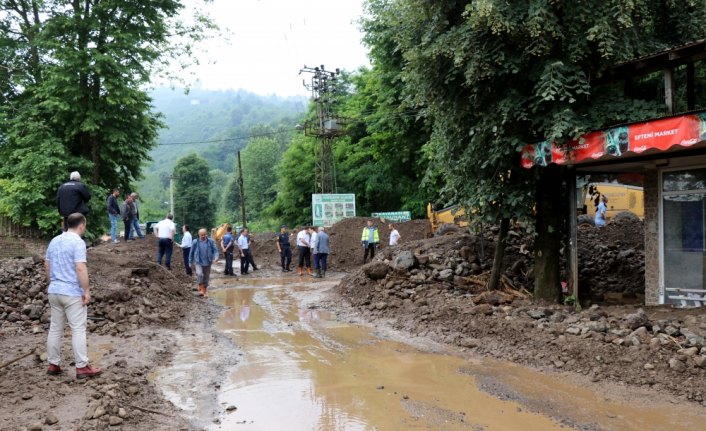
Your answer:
<point x="652" y="234"/>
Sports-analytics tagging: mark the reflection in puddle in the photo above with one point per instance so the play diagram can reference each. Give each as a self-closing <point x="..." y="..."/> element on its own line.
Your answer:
<point x="304" y="371"/>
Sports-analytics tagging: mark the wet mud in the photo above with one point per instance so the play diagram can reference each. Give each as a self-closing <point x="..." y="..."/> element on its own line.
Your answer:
<point x="301" y="367"/>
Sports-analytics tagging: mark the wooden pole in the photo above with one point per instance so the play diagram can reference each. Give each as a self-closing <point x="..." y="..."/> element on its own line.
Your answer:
<point x="669" y="87"/>
<point x="573" y="230"/>
<point x="690" y="91"/>
<point x="242" y="191"/>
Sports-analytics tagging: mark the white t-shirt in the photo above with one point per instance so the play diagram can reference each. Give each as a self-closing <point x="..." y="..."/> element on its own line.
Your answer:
<point x="303" y="236"/>
<point x="394" y="237"/>
<point x="312" y="243"/>
<point x="186" y="240"/>
<point x="165" y="228"/>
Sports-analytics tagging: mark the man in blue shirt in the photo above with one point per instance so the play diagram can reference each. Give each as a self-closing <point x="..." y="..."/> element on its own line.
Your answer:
<point x="69" y="293"/>
<point x="227" y="244"/>
<point x="601" y="212"/>
<point x="203" y="254"/>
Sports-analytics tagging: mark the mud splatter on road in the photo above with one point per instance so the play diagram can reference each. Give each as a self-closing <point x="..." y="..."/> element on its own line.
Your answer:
<point x="307" y="368"/>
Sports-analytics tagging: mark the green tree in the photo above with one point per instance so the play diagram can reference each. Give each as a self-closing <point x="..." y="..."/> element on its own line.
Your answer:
<point x="259" y="159"/>
<point x="230" y="211"/>
<point x="493" y="76"/>
<point x="73" y="96"/>
<point x="192" y="192"/>
<point x="295" y="183"/>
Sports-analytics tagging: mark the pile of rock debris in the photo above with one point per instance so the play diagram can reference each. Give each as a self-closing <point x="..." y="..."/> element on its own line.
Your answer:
<point x="436" y="289"/>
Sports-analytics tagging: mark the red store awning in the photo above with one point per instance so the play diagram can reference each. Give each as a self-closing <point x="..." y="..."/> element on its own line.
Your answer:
<point x="621" y="141"/>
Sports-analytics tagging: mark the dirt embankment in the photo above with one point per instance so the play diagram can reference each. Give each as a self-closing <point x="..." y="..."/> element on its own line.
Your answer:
<point x="346" y="249"/>
<point x="436" y="288"/>
<point x="134" y="304"/>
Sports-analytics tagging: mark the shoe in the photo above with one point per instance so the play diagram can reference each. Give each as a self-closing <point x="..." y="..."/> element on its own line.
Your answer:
<point x="318" y="274"/>
<point x="255" y="268"/>
<point x="87" y="371"/>
<point x="54" y="370"/>
<point x="308" y="271"/>
<point x="202" y="289"/>
<point x="284" y="270"/>
<point x="323" y="274"/>
<point x="301" y="271"/>
<point x="116" y="241"/>
<point x="289" y="270"/>
<point x="205" y="295"/>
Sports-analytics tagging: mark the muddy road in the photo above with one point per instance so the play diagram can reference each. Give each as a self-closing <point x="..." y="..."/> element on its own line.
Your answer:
<point x="282" y="354"/>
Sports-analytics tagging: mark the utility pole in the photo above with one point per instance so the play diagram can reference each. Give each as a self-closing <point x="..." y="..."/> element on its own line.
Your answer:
<point x="324" y="87"/>
<point x="242" y="191"/>
<point x="171" y="195"/>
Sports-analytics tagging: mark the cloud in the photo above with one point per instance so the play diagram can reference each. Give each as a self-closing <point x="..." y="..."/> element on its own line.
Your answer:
<point x="271" y="40"/>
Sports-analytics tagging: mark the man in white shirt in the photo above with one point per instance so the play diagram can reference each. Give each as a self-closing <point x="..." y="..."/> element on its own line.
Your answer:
<point x="394" y="235"/>
<point x="312" y="245"/>
<point x="245" y="256"/>
<point x="303" y="246"/>
<point x="69" y="293"/>
<point x="164" y="231"/>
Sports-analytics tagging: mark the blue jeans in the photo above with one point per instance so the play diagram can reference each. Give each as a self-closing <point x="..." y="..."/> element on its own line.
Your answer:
<point x="136" y="228"/>
<point x="165" y="248"/>
<point x="114" y="226"/>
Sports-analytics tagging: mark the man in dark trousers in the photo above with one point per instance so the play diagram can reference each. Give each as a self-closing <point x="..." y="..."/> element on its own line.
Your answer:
<point x="228" y="244"/>
<point x="245" y="255"/>
<point x="113" y="214"/>
<point x="370" y="240"/>
<point x="127" y="212"/>
<point x="73" y="197"/>
<point x="285" y="248"/>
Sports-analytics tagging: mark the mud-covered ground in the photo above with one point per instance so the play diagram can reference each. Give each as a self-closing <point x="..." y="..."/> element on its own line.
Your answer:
<point x="428" y="288"/>
<point x="141" y="314"/>
<point x="137" y="311"/>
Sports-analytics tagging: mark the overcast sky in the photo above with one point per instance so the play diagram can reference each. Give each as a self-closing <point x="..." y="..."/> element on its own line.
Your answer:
<point x="271" y="40"/>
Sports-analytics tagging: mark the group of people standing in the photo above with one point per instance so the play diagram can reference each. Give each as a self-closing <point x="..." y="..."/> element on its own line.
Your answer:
<point x="312" y="242"/>
<point x="128" y="212"/>
<point x="229" y="243"/>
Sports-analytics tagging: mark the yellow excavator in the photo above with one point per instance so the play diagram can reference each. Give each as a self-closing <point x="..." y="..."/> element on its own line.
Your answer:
<point x="621" y="199"/>
<point x="447" y="220"/>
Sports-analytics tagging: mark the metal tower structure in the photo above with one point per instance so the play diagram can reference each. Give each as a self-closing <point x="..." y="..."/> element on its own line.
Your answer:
<point x="325" y="87"/>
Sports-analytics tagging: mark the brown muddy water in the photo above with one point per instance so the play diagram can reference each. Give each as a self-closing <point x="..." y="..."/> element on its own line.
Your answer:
<point x="304" y="369"/>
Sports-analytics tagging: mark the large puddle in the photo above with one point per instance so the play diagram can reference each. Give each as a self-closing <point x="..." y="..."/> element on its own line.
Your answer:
<point x="304" y="370"/>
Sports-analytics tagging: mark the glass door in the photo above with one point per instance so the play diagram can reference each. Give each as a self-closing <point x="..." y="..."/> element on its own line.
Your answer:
<point x="684" y="236"/>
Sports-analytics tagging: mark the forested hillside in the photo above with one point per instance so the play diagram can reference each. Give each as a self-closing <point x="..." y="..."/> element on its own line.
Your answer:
<point x="215" y="125"/>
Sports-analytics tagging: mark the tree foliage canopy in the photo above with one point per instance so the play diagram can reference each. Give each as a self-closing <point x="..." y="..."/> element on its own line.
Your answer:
<point x="493" y="76"/>
<point x="72" y="96"/>
<point x="192" y="191"/>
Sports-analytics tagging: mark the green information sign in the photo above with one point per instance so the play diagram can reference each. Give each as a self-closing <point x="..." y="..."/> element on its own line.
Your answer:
<point x="399" y="216"/>
<point x="329" y="209"/>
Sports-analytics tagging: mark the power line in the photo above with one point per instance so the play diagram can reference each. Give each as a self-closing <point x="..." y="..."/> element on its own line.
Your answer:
<point x="403" y="114"/>
<point x="233" y="139"/>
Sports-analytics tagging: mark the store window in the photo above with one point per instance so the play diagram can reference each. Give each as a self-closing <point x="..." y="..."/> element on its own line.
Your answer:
<point x="684" y="236"/>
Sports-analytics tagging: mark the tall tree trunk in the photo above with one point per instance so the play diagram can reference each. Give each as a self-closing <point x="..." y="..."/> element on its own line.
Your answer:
<point x="497" y="270"/>
<point x="551" y="203"/>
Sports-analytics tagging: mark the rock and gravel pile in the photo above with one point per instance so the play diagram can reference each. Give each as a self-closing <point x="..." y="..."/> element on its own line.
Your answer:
<point x="612" y="261"/>
<point x="128" y="290"/>
<point x="435" y="288"/>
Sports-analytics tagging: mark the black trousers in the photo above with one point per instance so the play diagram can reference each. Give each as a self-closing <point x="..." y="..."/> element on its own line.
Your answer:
<point x="128" y="228"/>
<point x="229" y="261"/>
<point x="370" y="248"/>
<point x="304" y="256"/>
<point x="286" y="257"/>
<point x="245" y="261"/>
<point x="186" y="252"/>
